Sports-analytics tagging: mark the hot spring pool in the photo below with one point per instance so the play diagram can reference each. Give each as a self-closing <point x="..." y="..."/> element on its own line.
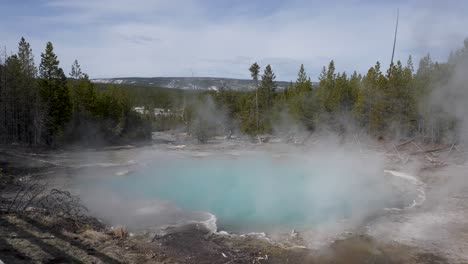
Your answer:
<point x="250" y="192"/>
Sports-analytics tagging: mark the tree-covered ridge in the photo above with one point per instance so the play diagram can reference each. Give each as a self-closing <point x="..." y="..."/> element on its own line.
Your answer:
<point x="44" y="107"/>
<point x="186" y="83"/>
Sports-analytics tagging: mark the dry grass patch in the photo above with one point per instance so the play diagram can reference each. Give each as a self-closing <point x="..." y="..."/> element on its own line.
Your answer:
<point x="119" y="232"/>
<point x="95" y="236"/>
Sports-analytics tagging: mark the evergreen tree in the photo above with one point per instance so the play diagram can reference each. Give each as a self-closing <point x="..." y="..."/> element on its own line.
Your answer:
<point x="303" y="83"/>
<point x="12" y="97"/>
<point x="54" y="93"/>
<point x="367" y="107"/>
<point x="266" y="93"/>
<point x="33" y="110"/>
<point x="26" y="58"/>
<point x="399" y="110"/>
<point x="326" y="89"/>
<point x="296" y="93"/>
<point x="254" y="71"/>
<point x="20" y="115"/>
<point x="267" y="88"/>
<point x="76" y="72"/>
<point x="331" y="71"/>
<point x="49" y="68"/>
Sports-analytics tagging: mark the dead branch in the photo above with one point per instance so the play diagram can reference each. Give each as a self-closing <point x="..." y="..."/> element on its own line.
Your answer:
<point x="450" y="151"/>
<point x="430" y="151"/>
<point x="404" y="143"/>
<point x="417" y="146"/>
<point x="431" y="160"/>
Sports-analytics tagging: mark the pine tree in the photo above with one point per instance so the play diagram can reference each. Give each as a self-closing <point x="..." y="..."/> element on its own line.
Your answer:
<point x="76" y="72"/>
<point x="254" y="71"/>
<point x="33" y="110"/>
<point x="326" y="89"/>
<point x="55" y="94"/>
<point x="366" y="109"/>
<point x="12" y="97"/>
<point x="267" y="88"/>
<point x="331" y="71"/>
<point x="354" y="86"/>
<point x="303" y="83"/>
<point x="18" y="97"/>
<point x="266" y="92"/>
<point x="49" y="68"/>
<point x="399" y="104"/>
<point x="26" y="58"/>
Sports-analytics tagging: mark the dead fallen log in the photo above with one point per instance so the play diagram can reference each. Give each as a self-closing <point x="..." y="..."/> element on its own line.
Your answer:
<point x="117" y="147"/>
<point x="430" y="151"/>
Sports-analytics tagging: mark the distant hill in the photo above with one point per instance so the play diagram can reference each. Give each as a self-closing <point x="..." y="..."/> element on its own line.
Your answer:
<point x="187" y="83"/>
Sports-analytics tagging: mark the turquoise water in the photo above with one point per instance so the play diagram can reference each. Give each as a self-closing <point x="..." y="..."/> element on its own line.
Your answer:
<point x="253" y="192"/>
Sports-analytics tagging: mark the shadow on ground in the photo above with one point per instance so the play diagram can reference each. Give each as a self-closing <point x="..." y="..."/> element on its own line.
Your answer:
<point x="25" y="240"/>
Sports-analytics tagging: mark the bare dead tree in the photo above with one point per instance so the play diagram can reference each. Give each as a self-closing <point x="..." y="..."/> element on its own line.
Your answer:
<point x="395" y="37"/>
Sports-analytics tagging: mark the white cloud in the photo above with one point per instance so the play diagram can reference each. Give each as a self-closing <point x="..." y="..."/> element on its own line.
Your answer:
<point x="123" y="6"/>
<point x="176" y="38"/>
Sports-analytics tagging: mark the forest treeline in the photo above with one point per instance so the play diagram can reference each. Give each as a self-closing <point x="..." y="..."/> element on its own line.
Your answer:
<point x="393" y="104"/>
<point x="42" y="106"/>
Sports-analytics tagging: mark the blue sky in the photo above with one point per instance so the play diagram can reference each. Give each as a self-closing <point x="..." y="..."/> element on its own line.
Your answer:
<point x="220" y="38"/>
